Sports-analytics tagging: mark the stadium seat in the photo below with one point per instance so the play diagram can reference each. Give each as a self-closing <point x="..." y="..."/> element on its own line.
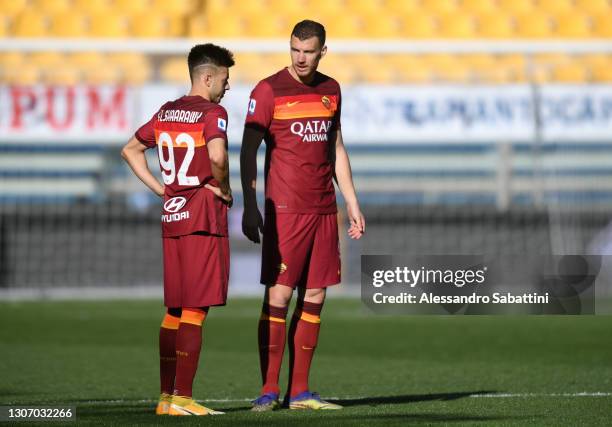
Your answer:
<point x="289" y="8"/>
<point x="593" y="7"/>
<point x="514" y="67"/>
<point x="411" y="68"/>
<point x="515" y="7"/>
<point x="224" y="25"/>
<point x="87" y="59"/>
<point x="4" y="26"/>
<point x="11" y="63"/>
<point x="570" y="72"/>
<point x="92" y="6"/>
<point x="495" y="26"/>
<point x="149" y="24"/>
<point x="12" y="7"/>
<point x="129" y="7"/>
<point x="68" y="24"/>
<point x="134" y="67"/>
<point x="381" y="26"/>
<point x="573" y="25"/>
<point x="197" y="26"/>
<point x="556" y="7"/>
<point x="30" y="24"/>
<point x="601" y="72"/>
<point x="174" y="70"/>
<point x="62" y="74"/>
<point x="108" y="74"/>
<point x="365" y="8"/>
<point x="602" y="27"/>
<point x="479" y="7"/>
<point x="50" y="7"/>
<point x="326" y="8"/>
<point x="174" y="7"/>
<point x="534" y="25"/>
<point x="26" y="74"/>
<point x="482" y="66"/>
<point x="372" y="68"/>
<point x="264" y="25"/>
<point x="418" y="26"/>
<point x="108" y="25"/>
<point x="46" y="59"/>
<point x="336" y="66"/>
<point x="439" y="7"/>
<point x="402" y="7"/>
<point x="456" y="25"/>
<point x="346" y="25"/>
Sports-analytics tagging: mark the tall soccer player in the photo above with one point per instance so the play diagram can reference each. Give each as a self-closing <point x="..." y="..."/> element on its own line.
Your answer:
<point x="191" y="141"/>
<point x="297" y="112"/>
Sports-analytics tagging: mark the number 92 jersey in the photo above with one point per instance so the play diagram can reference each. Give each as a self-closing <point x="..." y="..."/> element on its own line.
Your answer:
<point x="180" y="131"/>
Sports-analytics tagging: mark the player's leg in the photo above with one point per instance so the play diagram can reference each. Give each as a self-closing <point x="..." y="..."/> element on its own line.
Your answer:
<point x="170" y="323"/>
<point x="323" y="271"/>
<point x="284" y="250"/>
<point x="203" y="284"/>
<point x="188" y="347"/>
<point x="271" y="336"/>
<point x="167" y="358"/>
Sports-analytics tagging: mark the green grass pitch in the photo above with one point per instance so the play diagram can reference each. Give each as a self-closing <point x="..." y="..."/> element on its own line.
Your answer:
<point x="464" y="370"/>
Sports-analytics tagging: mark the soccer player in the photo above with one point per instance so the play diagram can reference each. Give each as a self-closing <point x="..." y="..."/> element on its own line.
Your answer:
<point x="297" y="112"/>
<point x="190" y="135"/>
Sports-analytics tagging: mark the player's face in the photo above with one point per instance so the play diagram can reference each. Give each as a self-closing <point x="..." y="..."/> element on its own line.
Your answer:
<point x="219" y="84"/>
<point x="305" y="56"/>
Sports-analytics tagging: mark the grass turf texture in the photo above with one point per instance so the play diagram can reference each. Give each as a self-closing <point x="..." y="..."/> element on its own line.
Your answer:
<point x="102" y="357"/>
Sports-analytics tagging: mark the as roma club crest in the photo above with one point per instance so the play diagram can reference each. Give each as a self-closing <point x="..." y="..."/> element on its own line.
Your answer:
<point x="326" y="102"/>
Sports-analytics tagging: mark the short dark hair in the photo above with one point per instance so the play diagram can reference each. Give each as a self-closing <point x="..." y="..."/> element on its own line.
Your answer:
<point x="306" y="29"/>
<point x="204" y="54"/>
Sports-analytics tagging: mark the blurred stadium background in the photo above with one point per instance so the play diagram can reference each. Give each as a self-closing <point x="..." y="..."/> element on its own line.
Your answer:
<point x="474" y="127"/>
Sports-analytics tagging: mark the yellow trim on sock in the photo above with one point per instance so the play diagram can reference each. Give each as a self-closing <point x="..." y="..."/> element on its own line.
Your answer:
<point x="311" y="318"/>
<point x="194" y="317"/>
<point x="170" y="322"/>
<point x="264" y="316"/>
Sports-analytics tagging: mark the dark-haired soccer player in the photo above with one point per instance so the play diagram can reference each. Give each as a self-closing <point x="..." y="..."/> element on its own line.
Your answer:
<point x="190" y="135"/>
<point x="297" y="112"/>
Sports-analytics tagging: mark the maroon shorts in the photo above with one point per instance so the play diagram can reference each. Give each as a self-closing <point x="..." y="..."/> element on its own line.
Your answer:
<point x="196" y="270"/>
<point x="301" y="250"/>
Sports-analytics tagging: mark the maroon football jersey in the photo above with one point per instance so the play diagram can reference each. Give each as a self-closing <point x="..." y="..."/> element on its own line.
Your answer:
<point x="180" y="130"/>
<point x="300" y="122"/>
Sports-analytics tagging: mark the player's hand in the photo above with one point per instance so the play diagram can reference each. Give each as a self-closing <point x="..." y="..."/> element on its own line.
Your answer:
<point x="252" y="224"/>
<point x="227" y="198"/>
<point x="356" y="221"/>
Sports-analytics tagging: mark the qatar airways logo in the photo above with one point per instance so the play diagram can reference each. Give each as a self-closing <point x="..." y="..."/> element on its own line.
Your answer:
<point x="312" y="130"/>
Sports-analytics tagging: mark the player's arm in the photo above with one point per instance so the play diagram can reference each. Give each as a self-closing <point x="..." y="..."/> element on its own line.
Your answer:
<point x="344" y="178"/>
<point x="134" y="154"/>
<point x="219" y="164"/>
<point x="252" y="221"/>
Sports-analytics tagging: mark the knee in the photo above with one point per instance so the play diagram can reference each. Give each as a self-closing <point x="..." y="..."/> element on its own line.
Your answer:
<point x="315" y="296"/>
<point x="279" y="295"/>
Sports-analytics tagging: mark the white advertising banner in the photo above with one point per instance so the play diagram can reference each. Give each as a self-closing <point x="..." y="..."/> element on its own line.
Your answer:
<point x="80" y="114"/>
<point x="370" y="114"/>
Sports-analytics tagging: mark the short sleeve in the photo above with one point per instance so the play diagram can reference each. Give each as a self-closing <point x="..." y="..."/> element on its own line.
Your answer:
<point x="215" y="124"/>
<point x="261" y="106"/>
<point x="146" y="132"/>
<point x="337" y="122"/>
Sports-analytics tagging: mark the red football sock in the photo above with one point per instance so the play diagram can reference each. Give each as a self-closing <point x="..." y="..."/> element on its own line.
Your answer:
<point x="303" y="335"/>
<point x="271" y="337"/>
<point x="188" y="345"/>
<point x="167" y="352"/>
